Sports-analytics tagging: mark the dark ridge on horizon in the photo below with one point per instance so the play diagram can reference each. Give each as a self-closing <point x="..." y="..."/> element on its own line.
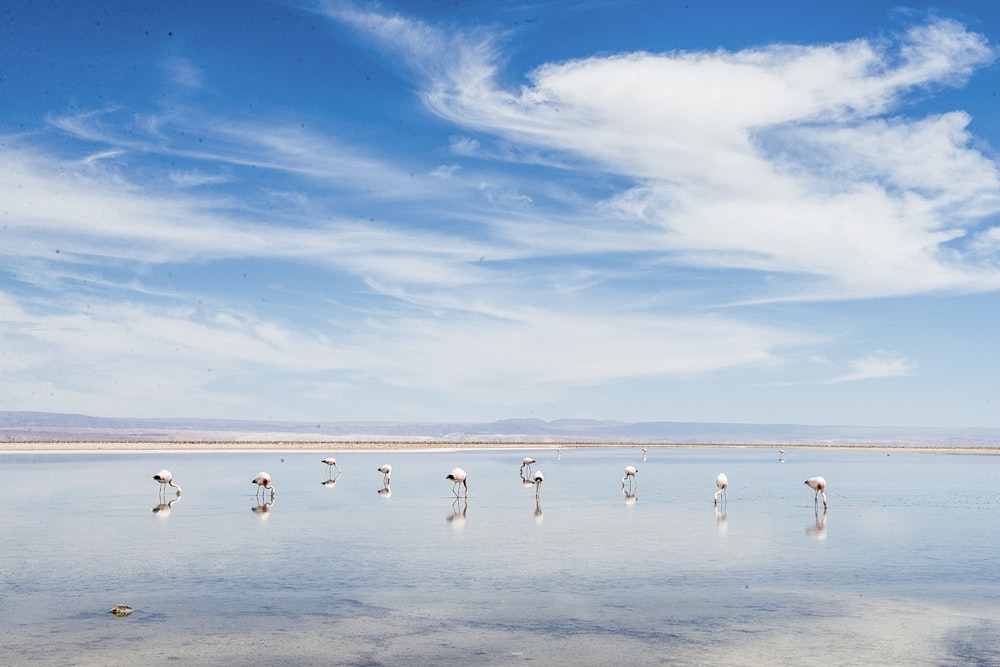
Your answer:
<point x="26" y="425"/>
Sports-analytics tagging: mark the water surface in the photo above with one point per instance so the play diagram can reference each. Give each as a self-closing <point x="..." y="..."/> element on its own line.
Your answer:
<point x="903" y="567"/>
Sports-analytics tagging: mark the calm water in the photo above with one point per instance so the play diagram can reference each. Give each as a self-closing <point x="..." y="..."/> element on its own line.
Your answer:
<point x="904" y="568"/>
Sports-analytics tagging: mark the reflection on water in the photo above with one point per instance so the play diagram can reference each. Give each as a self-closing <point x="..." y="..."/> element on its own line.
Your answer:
<point x="908" y="577"/>
<point x="163" y="509"/>
<point x="721" y="523"/>
<point x="818" y="528"/>
<point x="459" y="512"/>
<point x="263" y="510"/>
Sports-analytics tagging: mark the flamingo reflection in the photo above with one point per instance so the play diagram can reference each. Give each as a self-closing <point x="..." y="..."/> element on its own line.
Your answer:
<point x="644" y="452"/>
<point x="263" y="510"/>
<point x="721" y="523"/>
<point x="818" y="529"/>
<point x="385" y="491"/>
<point x="538" y="510"/>
<point x="631" y="495"/>
<point x="163" y="509"/>
<point x="459" y="511"/>
<point x="330" y="482"/>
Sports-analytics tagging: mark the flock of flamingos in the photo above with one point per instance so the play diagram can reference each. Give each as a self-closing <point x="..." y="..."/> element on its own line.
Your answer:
<point x="460" y="480"/>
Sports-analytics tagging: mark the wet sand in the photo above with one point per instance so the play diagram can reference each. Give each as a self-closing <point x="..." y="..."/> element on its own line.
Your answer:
<point x="436" y="445"/>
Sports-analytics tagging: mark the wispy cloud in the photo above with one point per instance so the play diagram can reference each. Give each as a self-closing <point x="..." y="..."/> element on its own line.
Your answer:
<point x="879" y="365"/>
<point x="791" y="159"/>
<point x="658" y="208"/>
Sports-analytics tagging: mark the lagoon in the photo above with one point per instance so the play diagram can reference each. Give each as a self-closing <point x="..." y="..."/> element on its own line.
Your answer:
<point x="902" y="568"/>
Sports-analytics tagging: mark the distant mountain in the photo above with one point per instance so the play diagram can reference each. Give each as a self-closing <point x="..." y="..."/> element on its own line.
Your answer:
<point x="21" y="426"/>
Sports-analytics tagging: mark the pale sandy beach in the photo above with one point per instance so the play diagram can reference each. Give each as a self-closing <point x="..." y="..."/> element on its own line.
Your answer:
<point x="432" y="445"/>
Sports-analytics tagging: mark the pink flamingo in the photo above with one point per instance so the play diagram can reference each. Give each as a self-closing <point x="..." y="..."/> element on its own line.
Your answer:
<point x="263" y="481"/>
<point x="386" y="470"/>
<point x="331" y="463"/>
<point x="458" y="476"/>
<point x="630" y="472"/>
<point x="166" y="479"/>
<point x="722" y="482"/>
<point x="817" y="484"/>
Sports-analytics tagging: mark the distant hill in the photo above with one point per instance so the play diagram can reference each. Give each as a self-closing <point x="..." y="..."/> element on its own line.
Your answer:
<point x="45" y="426"/>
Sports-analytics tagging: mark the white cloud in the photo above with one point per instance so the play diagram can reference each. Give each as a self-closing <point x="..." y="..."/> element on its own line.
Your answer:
<point x="879" y="365"/>
<point x="790" y="159"/>
<point x="196" y="178"/>
<point x="183" y="73"/>
<point x="792" y="168"/>
<point x="445" y="170"/>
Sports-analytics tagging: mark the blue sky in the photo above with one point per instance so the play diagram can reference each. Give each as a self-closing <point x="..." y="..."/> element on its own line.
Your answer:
<point x="691" y="211"/>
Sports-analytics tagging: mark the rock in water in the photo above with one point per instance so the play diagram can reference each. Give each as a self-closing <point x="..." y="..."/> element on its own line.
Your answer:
<point x="121" y="610"/>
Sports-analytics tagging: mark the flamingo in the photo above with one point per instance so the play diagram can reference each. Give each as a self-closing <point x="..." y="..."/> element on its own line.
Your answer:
<point x="526" y="463"/>
<point x="538" y="478"/>
<point x="386" y="470"/>
<point x="166" y="479"/>
<point x="458" y="476"/>
<point x="331" y="463"/>
<point x="630" y="472"/>
<point x="722" y="482"/>
<point x="781" y="456"/>
<point x="817" y="484"/>
<point x="263" y="481"/>
<point x="644" y="452"/>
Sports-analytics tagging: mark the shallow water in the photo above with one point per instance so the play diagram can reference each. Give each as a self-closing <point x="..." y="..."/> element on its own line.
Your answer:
<point x="903" y="567"/>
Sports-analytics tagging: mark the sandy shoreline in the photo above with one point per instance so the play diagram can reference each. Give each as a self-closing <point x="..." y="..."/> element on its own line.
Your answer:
<point x="32" y="447"/>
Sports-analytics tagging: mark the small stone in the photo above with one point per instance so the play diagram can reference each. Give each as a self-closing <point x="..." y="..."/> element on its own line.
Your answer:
<point x="121" y="610"/>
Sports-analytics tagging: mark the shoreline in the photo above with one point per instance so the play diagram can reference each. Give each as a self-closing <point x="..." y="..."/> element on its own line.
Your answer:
<point x="193" y="446"/>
